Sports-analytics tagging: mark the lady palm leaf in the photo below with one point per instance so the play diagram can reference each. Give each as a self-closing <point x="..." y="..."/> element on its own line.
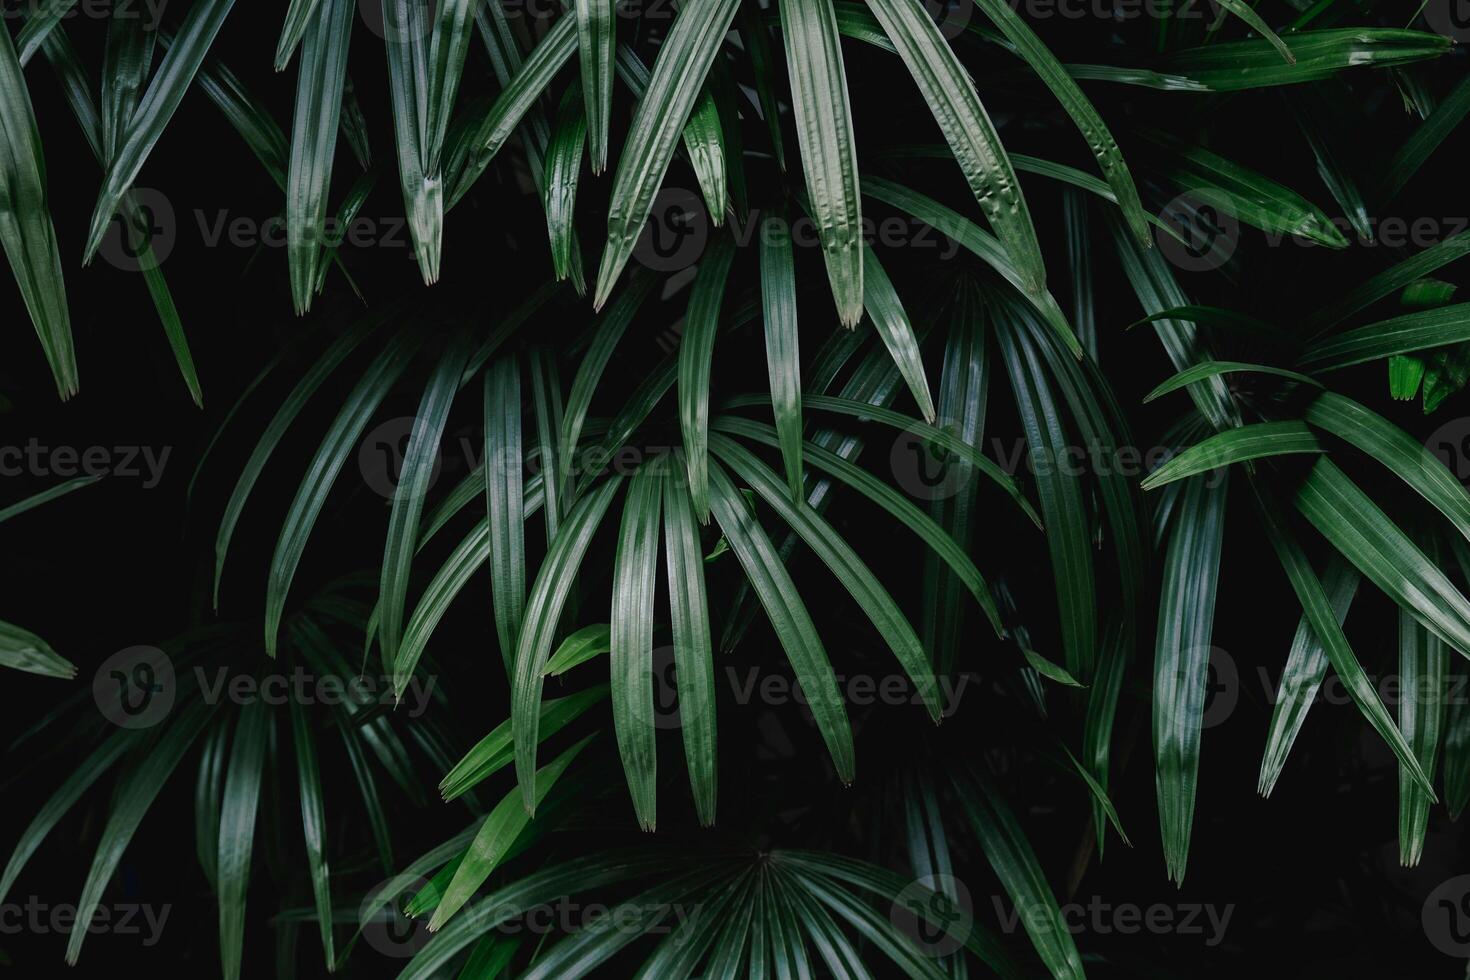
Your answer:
<point x="26" y="231"/>
<point x="678" y="74"/>
<point x="955" y="103"/>
<point x="819" y="102"/>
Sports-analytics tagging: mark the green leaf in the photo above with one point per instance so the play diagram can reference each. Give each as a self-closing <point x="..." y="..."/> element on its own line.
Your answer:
<point x="1363" y="533"/>
<point x="299" y="17"/>
<point x="927" y="433"/>
<point x="420" y="458"/>
<point x="696" y="354"/>
<point x="1387" y="282"/>
<point x="792" y="623"/>
<point x="984" y="245"/>
<point x="136" y="791"/>
<point x="844" y="563"/>
<point x="1423" y="666"/>
<point x="1236" y="446"/>
<point x="313" y="824"/>
<point x="1253" y="198"/>
<point x="1069" y="536"/>
<point x="952" y="98"/>
<point x="563" y="175"/>
<point x="496" y="750"/>
<point x="505" y="501"/>
<point x="79" y="778"/>
<point x="1237" y="65"/>
<point x="321" y="369"/>
<point x="1010" y="855"/>
<point x="1211" y="369"/>
<point x="1409" y="157"/>
<point x="583" y="645"/>
<point x="678" y="77"/>
<point x="693" y="650"/>
<point x="1325" y="624"/>
<point x="237" y="830"/>
<point x="26" y="231"/>
<point x="495" y="125"/>
<point x="496" y="836"/>
<point x="1182" y="659"/>
<point x="1049" y="670"/>
<point x="46" y="496"/>
<point x="596" y="46"/>
<point x="1399" y="335"/>
<point x="630" y="660"/>
<point x="1405" y="457"/>
<point x="881" y="301"/>
<point x="1301" y="678"/>
<point x="783" y="358"/>
<point x="943" y="545"/>
<point x="314" y="143"/>
<point x="819" y="104"/>
<point x="344" y="434"/>
<point x="174" y="77"/>
<point x="543" y="609"/>
<point x="1099" y="140"/>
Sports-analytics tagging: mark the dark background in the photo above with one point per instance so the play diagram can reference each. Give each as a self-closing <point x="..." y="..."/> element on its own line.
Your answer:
<point x="1312" y="874"/>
